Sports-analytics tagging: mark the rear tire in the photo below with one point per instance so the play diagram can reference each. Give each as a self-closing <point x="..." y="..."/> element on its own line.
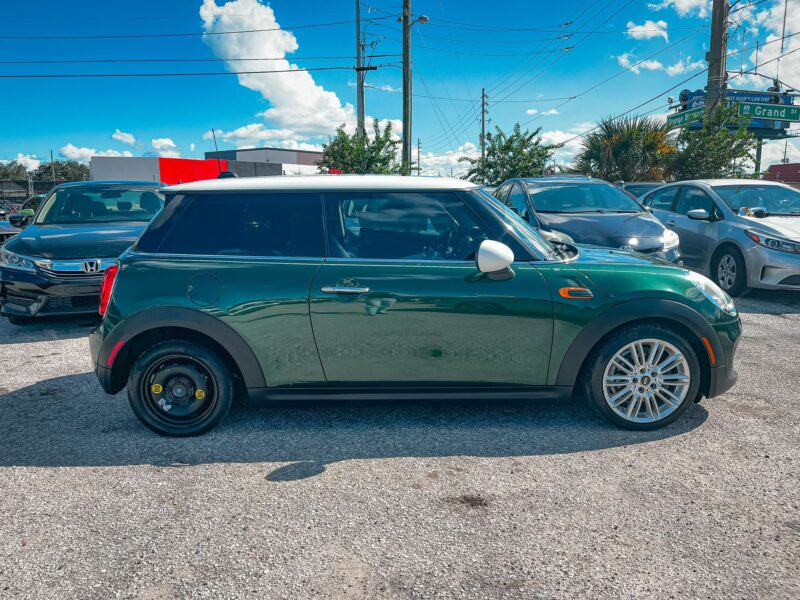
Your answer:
<point x="728" y="270"/>
<point x="643" y="377"/>
<point x="180" y="388"/>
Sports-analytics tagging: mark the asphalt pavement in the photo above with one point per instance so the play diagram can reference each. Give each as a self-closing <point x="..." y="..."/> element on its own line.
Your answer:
<point x="399" y="500"/>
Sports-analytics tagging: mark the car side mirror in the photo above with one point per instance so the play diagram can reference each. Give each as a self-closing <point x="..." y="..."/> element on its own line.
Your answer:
<point x="494" y="257"/>
<point x="18" y="220"/>
<point x="699" y="214"/>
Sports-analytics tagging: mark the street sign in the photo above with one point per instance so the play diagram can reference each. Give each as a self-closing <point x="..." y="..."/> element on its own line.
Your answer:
<point x="779" y="112"/>
<point x="680" y="119"/>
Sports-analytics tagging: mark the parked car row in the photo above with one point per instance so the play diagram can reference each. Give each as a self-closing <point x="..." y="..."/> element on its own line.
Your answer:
<point x="375" y="286"/>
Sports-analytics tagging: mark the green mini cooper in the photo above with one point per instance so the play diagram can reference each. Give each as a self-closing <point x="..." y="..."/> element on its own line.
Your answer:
<point x="390" y="287"/>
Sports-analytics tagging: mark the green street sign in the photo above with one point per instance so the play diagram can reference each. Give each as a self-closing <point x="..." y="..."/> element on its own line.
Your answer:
<point x="687" y="116"/>
<point x="778" y="112"/>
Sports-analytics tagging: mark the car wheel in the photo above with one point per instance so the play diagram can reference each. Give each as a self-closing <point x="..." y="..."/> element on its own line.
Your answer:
<point x="644" y="377"/>
<point x="180" y="388"/>
<point x="729" y="271"/>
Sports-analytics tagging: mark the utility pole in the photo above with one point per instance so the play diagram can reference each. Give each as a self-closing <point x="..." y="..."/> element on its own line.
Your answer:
<point x="419" y="164"/>
<point x="484" y="111"/>
<point x="717" y="74"/>
<point x="360" y="73"/>
<point x="406" y="151"/>
<point x="759" y="145"/>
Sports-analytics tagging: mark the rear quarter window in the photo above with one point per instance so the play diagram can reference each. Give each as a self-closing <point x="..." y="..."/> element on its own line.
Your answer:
<point x="243" y="224"/>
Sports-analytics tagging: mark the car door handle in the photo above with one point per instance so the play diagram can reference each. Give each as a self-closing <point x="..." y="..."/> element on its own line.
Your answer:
<point x="670" y="223"/>
<point x="332" y="289"/>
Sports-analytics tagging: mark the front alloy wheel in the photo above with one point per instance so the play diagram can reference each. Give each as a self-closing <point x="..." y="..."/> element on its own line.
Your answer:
<point x="646" y="380"/>
<point x="644" y="377"/>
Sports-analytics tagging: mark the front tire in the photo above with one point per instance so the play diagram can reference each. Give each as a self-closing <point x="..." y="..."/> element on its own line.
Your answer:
<point x="729" y="271"/>
<point x="180" y="388"/>
<point x="644" y="377"/>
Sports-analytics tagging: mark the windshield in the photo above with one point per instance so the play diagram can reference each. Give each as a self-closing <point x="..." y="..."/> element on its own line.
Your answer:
<point x="520" y="226"/>
<point x="577" y="197"/>
<point x="777" y="199"/>
<point x="640" y="189"/>
<point x="97" y="204"/>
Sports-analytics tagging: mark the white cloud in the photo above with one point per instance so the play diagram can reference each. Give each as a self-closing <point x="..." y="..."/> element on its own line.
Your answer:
<point x="572" y="144"/>
<point x="685" y="8"/>
<point x="29" y="161"/>
<point x="772" y="153"/>
<point x="788" y="68"/>
<point x="684" y="65"/>
<point x="550" y="112"/>
<point x="83" y="154"/>
<point x="648" y="29"/>
<point x="298" y="104"/>
<point x="531" y="112"/>
<point x="192" y="147"/>
<point x="165" y="147"/>
<point x="383" y="88"/>
<point x="629" y="61"/>
<point x="447" y="162"/>
<point x="125" y="138"/>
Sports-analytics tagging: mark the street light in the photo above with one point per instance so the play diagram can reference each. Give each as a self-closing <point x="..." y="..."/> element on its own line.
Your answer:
<point x="407" y="24"/>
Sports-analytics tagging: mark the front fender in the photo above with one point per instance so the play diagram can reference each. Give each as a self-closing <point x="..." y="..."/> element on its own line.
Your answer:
<point x="629" y="312"/>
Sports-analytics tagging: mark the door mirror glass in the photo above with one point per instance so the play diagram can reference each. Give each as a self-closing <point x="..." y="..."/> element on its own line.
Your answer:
<point x="28" y="212"/>
<point x="699" y="214"/>
<point x="494" y="257"/>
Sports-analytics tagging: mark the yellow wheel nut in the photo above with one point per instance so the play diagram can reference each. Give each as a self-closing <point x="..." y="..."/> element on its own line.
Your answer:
<point x="200" y="394"/>
<point x="157" y="388"/>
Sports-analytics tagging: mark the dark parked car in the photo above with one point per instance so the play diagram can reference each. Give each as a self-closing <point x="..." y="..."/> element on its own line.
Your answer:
<point x="639" y="188"/>
<point x="588" y="211"/>
<point x="23" y="216"/>
<point x="385" y="286"/>
<point x="55" y="265"/>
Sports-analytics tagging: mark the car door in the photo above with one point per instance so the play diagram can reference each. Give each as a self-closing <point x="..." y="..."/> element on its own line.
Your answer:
<point x="662" y="204"/>
<point x="400" y="301"/>
<point x="696" y="236"/>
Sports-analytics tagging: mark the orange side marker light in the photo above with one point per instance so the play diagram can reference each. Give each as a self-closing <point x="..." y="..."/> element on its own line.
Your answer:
<point x="576" y="293"/>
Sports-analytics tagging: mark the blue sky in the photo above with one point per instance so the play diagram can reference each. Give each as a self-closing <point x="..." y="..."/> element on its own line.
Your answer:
<point x="514" y="49"/>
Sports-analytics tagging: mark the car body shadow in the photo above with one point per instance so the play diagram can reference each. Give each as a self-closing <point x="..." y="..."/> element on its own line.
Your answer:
<point x="771" y="302"/>
<point x="46" y="329"/>
<point x="69" y="422"/>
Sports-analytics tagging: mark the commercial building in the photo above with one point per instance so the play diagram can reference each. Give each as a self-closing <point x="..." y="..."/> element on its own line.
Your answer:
<point x="280" y="160"/>
<point x="785" y="173"/>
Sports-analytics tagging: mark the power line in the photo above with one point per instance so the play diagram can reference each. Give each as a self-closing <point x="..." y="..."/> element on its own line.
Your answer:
<point x="177" y="60"/>
<point x="187" y="34"/>
<point x="196" y="74"/>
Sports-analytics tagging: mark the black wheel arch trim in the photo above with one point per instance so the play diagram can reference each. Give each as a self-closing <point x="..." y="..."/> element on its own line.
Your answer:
<point x="629" y="312"/>
<point x="185" y="318"/>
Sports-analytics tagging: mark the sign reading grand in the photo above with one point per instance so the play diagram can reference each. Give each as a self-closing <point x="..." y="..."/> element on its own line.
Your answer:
<point x="758" y="110"/>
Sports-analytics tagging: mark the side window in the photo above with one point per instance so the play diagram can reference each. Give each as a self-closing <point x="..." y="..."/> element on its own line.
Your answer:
<point x="401" y="225"/>
<point x="245" y="224"/>
<point x="517" y="201"/>
<point x="501" y="192"/>
<point x="662" y="199"/>
<point x="694" y="198"/>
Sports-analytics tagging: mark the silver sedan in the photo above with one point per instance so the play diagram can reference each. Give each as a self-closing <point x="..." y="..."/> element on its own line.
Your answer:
<point x="740" y="232"/>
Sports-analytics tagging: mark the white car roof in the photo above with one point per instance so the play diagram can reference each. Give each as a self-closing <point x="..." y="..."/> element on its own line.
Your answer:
<point x="323" y="183"/>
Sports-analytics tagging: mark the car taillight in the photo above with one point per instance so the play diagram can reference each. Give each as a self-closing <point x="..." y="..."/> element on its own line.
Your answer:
<point x="105" y="288"/>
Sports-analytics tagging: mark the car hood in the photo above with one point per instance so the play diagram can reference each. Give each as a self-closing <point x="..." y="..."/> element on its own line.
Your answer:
<point x="595" y="255"/>
<point x="613" y="230"/>
<point x="94" y="240"/>
<point x="788" y="227"/>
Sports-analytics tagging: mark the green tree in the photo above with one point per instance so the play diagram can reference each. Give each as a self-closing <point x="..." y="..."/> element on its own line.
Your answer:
<point x="721" y="148"/>
<point x="626" y="149"/>
<point x="13" y="170"/>
<point x="361" y="154"/>
<point x="66" y="170"/>
<point x="520" y="154"/>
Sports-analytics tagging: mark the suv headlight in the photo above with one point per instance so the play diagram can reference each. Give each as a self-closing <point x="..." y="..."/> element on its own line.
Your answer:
<point x="10" y="260"/>
<point x="713" y="292"/>
<point x="773" y="243"/>
<point x="670" y="239"/>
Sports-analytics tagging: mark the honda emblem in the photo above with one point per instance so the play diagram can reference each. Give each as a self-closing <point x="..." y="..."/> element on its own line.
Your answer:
<point x="91" y="266"/>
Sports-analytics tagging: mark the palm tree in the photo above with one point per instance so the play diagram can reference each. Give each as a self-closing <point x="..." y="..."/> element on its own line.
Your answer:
<point x="627" y="149"/>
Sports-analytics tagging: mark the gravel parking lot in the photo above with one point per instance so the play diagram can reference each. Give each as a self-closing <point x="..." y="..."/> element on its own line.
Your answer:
<point x="403" y="500"/>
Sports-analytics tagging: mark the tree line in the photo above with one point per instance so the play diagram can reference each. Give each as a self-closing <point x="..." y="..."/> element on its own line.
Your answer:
<point x="65" y="170"/>
<point x="616" y="149"/>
